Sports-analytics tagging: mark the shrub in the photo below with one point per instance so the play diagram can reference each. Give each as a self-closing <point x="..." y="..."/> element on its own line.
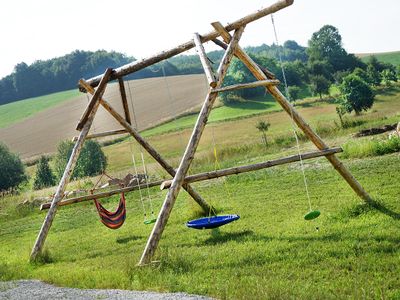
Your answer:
<point x="91" y="161"/>
<point x="357" y="95"/>
<point x="12" y="171"/>
<point x="44" y="177"/>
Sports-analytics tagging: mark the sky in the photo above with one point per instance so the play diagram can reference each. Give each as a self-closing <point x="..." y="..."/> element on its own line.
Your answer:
<point x="44" y="29"/>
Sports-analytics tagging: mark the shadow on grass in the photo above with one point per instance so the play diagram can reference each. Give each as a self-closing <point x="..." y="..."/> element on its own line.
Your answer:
<point x="379" y="206"/>
<point x="217" y="237"/>
<point x="124" y="240"/>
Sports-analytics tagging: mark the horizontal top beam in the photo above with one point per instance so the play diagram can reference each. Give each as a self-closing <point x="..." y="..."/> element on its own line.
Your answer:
<point x="143" y="63"/>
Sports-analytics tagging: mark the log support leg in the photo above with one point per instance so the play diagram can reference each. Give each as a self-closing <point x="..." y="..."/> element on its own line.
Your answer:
<point x="188" y="156"/>
<point x="91" y="112"/>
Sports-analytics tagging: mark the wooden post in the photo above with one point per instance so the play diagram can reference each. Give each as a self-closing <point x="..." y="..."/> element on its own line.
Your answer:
<point x="101" y="194"/>
<point x="37" y="248"/>
<point x="188" y="156"/>
<point x="171" y="171"/>
<point x="300" y="122"/>
<point x="102" y="134"/>
<point x="124" y="100"/>
<point x="212" y="81"/>
<point x="141" y="64"/>
<point x="253" y="167"/>
<point x="246" y="85"/>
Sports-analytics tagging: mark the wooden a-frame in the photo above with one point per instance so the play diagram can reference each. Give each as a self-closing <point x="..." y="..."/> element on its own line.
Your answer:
<point x="179" y="177"/>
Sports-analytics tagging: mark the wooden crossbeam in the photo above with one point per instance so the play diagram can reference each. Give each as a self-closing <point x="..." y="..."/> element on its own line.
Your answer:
<point x="212" y="80"/>
<point x="141" y="64"/>
<point x="246" y="85"/>
<point x="102" y="134"/>
<point x="253" y="167"/>
<point x="198" y="177"/>
<point x="101" y="195"/>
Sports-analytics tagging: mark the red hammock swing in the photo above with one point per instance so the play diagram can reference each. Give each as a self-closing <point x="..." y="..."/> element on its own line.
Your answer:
<point x="112" y="220"/>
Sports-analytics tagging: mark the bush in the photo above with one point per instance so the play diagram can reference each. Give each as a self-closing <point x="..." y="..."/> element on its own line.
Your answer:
<point x="357" y="95"/>
<point x="12" y="171"/>
<point x="44" y="177"/>
<point x="91" y="161"/>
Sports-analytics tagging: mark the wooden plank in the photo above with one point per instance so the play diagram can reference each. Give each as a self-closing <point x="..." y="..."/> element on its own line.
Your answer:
<point x="253" y="167"/>
<point x="97" y="95"/>
<point x="41" y="238"/>
<point x="300" y="122"/>
<point x="171" y="171"/>
<point x="246" y="85"/>
<point x="141" y="64"/>
<point x="124" y="100"/>
<point x="102" y="134"/>
<point x="212" y="81"/>
<point x="101" y="195"/>
<point x="188" y="156"/>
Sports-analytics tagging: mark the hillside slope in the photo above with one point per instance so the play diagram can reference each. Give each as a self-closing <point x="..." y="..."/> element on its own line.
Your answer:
<point x="42" y="132"/>
<point x="386" y="57"/>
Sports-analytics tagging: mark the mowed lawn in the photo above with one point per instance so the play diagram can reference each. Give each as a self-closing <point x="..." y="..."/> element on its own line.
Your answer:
<point x="350" y="251"/>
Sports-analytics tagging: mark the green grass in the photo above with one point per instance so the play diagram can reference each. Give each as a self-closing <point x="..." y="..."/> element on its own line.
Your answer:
<point x="235" y="110"/>
<point x="17" y="111"/>
<point x="389" y="57"/>
<point x="350" y="251"/>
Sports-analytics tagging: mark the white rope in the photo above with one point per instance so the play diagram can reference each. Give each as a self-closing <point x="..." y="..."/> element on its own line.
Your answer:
<point x="143" y="161"/>
<point x="291" y="112"/>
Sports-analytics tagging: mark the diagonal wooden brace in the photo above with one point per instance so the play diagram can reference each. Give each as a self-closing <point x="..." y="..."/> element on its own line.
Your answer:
<point x="300" y="122"/>
<point x="132" y="131"/>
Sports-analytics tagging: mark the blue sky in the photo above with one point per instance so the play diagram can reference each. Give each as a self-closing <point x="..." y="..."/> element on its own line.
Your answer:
<point x="43" y="29"/>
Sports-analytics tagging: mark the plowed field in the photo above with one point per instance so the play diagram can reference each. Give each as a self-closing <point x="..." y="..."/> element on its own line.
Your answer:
<point x="154" y="100"/>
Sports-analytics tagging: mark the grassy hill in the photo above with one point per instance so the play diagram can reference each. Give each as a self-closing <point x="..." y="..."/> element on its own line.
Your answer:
<point x="387" y="57"/>
<point x="15" y="112"/>
<point x="350" y="251"/>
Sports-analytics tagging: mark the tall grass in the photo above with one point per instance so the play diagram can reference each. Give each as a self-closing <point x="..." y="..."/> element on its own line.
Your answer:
<point x="370" y="147"/>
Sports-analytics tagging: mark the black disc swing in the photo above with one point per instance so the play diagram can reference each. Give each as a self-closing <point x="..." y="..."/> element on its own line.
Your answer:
<point x="214" y="221"/>
<point x="312" y="214"/>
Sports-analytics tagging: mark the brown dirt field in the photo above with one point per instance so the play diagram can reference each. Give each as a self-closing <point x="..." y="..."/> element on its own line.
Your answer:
<point x="155" y="100"/>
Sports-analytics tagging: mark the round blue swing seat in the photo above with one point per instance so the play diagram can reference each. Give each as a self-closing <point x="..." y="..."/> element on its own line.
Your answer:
<point x="212" y="222"/>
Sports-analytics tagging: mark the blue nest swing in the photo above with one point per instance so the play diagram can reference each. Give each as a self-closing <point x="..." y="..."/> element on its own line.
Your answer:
<point x="212" y="222"/>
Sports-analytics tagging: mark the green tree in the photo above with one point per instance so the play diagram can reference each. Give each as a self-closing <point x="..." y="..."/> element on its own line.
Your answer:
<point x="294" y="92"/>
<point x="326" y="44"/>
<point x="320" y="85"/>
<point x="389" y="75"/>
<point x="91" y="161"/>
<point x="263" y="127"/>
<point x="12" y="171"/>
<point x="357" y="94"/>
<point x="44" y="177"/>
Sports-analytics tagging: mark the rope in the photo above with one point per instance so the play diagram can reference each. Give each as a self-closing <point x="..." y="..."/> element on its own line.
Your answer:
<point x="291" y="113"/>
<point x="143" y="162"/>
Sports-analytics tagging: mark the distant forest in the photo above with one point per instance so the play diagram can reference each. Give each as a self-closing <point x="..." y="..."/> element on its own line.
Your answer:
<point x="63" y="73"/>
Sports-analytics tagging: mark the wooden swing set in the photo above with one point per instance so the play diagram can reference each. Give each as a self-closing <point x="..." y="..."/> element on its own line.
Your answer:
<point x="179" y="178"/>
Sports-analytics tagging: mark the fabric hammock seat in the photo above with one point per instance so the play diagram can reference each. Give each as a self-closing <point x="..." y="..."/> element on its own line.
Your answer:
<point x="212" y="222"/>
<point x="112" y="220"/>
